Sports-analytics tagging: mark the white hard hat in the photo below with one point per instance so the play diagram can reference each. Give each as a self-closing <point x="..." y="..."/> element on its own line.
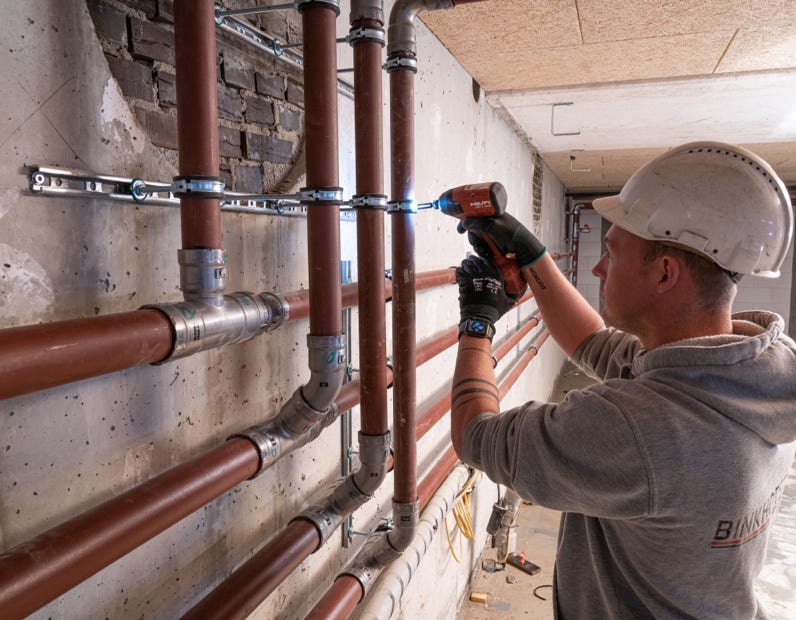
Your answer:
<point x="719" y="200"/>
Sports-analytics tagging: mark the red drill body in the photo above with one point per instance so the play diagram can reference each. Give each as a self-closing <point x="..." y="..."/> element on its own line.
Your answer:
<point x="483" y="200"/>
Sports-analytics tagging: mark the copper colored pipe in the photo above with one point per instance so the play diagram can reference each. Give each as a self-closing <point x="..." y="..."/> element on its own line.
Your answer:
<point x="342" y="598"/>
<point x="339" y="601"/>
<point x="320" y="120"/>
<point x="252" y="583"/>
<point x="239" y="595"/>
<point x="506" y="346"/>
<point x="403" y="266"/>
<point x="430" y="279"/>
<point x="516" y="371"/>
<point x="35" y="572"/>
<point x="436" y="345"/>
<point x="370" y="232"/>
<point x="35" y="357"/>
<point x="434" y="479"/>
<point x="197" y="117"/>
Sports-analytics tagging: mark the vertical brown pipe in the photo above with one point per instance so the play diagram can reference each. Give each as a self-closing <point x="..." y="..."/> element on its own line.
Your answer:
<point x="35" y="572"/>
<point x="197" y="117"/>
<point x="370" y="232"/>
<point x="320" y="120"/>
<point x="403" y="267"/>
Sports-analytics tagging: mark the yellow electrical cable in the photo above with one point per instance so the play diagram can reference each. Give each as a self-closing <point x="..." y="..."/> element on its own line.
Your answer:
<point x="462" y="514"/>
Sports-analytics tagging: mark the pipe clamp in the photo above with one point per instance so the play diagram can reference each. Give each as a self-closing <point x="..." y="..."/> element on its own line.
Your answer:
<point x="198" y="187"/>
<point x="334" y="5"/>
<point x="373" y="35"/>
<point x="400" y="62"/>
<point x="402" y="206"/>
<point x="369" y="201"/>
<point x="321" y="194"/>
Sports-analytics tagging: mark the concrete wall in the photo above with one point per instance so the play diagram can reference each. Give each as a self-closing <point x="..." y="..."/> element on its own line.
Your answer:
<point x="73" y="99"/>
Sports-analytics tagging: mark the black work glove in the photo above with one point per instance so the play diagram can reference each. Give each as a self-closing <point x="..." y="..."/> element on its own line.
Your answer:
<point x="481" y="294"/>
<point x="508" y="235"/>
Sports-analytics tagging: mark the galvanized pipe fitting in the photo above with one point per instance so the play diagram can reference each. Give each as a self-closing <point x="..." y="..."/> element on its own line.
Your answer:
<point x="405" y="517"/>
<point x="366" y="9"/>
<point x="203" y="275"/>
<point x="401" y="32"/>
<point x="355" y="490"/>
<point x="200" y="325"/>
<point x="327" y="365"/>
<point x="375" y="555"/>
<point x="274" y="439"/>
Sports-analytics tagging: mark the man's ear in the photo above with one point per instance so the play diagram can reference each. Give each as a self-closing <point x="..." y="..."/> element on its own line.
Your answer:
<point x="669" y="272"/>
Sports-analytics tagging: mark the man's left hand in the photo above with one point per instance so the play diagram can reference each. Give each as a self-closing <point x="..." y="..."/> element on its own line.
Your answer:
<point x="481" y="293"/>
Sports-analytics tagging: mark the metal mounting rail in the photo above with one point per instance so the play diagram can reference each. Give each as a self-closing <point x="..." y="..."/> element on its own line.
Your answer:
<point x="66" y="183"/>
<point x="271" y="45"/>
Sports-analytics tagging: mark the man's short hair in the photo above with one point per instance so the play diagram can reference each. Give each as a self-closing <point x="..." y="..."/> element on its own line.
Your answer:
<point x="715" y="285"/>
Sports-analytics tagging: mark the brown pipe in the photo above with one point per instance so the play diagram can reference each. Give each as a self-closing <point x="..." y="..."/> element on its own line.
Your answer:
<point x="440" y="277"/>
<point x="35" y="357"/>
<point x="403" y="265"/>
<point x="342" y="598"/>
<point x="516" y="371"/>
<point x="370" y="232"/>
<point x="434" y="479"/>
<point x="339" y="601"/>
<point x="506" y="346"/>
<point x="35" y="572"/>
<point x="320" y="121"/>
<point x="197" y="117"/>
<point x="239" y="595"/>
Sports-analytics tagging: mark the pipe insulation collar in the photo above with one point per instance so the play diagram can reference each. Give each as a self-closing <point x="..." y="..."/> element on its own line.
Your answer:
<point x="199" y="325"/>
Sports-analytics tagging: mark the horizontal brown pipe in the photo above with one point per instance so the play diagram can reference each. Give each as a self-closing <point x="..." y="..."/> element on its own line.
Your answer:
<point x="35" y="572"/>
<point x="35" y="357"/>
<point x="339" y="601"/>
<point x="239" y="595"/>
<point x="434" y="479"/>
<point x="516" y="371"/>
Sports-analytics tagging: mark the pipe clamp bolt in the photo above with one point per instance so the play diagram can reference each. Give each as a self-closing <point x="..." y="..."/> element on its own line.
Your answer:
<point x="369" y="201"/>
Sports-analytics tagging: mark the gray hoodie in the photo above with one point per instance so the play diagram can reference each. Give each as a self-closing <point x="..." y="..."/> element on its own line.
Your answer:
<point x="668" y="472"/>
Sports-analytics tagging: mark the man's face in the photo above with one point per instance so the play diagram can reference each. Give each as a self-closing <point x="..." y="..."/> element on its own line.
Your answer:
<point x="625" y="280"/>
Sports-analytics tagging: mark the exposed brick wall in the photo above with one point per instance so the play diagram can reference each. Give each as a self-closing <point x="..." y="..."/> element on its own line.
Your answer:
<point x="260" y="100"/>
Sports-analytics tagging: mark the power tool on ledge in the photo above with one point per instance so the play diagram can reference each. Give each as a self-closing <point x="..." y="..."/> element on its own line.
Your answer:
<point x="481" y="200"/>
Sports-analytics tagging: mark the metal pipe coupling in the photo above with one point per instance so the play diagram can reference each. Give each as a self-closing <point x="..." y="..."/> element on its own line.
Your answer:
<point x="374" y="457"/>
<point x="406" y="517"/>
<point x="402" y="32"/>
<point x="352" y="492"/>
<point x="327" y="368"/>
<point x="273" y="440"/>
<point x="376" y="554"/>
<point x="366" y="9"/>
<point x="203" y="275"/>
<point x="198" y="325"/>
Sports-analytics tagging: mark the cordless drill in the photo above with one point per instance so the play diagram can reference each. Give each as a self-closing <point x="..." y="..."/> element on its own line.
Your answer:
<point x="482" y="200"/>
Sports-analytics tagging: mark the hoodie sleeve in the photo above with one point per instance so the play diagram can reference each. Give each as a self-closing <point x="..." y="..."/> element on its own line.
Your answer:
<point x="603" y="354"/>
<point x="579" y="456"/>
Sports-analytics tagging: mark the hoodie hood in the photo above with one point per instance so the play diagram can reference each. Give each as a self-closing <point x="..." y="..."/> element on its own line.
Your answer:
<point x="750" y="375"/>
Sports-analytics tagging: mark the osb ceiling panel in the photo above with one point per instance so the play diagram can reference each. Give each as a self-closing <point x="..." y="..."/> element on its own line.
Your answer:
<point x="561" y="47"/>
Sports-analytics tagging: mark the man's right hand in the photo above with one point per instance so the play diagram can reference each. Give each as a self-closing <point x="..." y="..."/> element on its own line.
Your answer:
<point x="509" y="236"/>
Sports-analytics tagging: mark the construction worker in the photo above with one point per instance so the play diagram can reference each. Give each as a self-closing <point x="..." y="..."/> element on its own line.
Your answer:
<point x="669" y="470"/>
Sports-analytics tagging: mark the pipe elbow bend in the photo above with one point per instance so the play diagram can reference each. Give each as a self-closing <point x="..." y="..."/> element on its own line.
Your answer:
<point x="401" y="31"/>
<point x="374" y="456"/>
<point x="327" y="371"/>
<point x="406" y="517"/>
